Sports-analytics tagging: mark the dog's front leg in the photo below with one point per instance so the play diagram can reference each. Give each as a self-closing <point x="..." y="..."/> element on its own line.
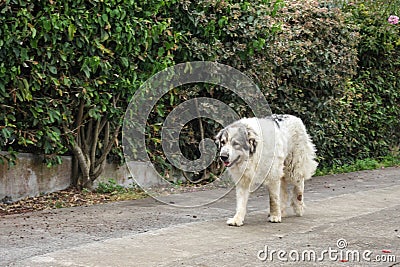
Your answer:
<point x="242" y="196"/>
<point x="274" y="202"/>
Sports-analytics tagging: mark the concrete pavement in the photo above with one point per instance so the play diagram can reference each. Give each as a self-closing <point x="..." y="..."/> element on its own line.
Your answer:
<point x="350" y="220"/>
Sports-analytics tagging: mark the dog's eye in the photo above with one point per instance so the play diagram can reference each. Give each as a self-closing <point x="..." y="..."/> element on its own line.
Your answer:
<point x="223" y="142"/>
<point x="235" y="144"/>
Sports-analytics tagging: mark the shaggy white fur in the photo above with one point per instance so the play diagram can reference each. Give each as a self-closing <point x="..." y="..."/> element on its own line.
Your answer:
<point x="275" y="151"/>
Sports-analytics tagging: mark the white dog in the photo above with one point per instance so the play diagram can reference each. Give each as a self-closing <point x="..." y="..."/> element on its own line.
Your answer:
<point x="275" y="151"/>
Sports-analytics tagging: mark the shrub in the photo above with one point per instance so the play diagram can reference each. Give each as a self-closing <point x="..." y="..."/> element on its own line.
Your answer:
<point x="373" y="96"/>
<point x="229" y="32"/>
<point x="67" y="70"/>
<point x="301" y="54"/>
<point x="311" y="61"/>
<point x="338" y="70"/>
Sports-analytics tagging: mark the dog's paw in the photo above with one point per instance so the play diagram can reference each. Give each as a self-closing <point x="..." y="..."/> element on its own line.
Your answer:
<point x="234" y="222"/>
<point x="298" y="209"/>
<point x="275" y="219"/>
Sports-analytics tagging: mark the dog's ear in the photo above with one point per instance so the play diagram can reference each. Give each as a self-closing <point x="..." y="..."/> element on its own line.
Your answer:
<point x="252" y="139"/>
<point x="217" y="138"/>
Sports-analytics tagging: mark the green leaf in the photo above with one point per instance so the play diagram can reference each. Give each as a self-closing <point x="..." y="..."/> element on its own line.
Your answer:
<point x="85" y="68"/>
<point x="93" y="113"/>
<point x="33" y="32"/>
<point x="52" y="69"/>
<point x="160" y="110"/>
<point x="124" y="61"/>
<point x="104" y="17"/>
<point x="6" y="133"/>
<point x="46" y="25"/>
<point x="26" y="84"/>
<point x="71" y="31"/>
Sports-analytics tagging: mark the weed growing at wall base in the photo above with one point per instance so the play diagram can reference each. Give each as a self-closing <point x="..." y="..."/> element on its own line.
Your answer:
<point x="361" y="165"/>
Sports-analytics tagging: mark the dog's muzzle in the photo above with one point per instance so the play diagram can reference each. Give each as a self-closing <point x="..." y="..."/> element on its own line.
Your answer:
<point x="225" y="158"/>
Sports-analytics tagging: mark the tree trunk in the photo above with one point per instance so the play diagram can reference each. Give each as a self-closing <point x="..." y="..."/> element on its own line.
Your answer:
<point x="84" y="166"/>
<point x="89" y="159"/>
<point x="93" y="142"/>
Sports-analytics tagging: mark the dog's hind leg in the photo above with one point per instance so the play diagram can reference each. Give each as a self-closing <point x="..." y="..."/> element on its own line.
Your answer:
<point x="274" y="201"/>
<point x="284" y="196"/>
<point x="242" y="196"/>
<point x="298" y="197"/>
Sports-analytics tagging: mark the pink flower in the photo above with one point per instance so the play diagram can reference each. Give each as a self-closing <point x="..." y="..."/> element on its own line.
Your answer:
<point x="393" y="19"/>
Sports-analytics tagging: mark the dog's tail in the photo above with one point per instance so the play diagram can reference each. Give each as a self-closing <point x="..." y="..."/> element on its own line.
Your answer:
<point x="302" y="152"/>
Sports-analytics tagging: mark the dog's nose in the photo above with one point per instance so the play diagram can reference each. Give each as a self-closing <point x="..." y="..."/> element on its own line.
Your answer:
<point x="224" y="157"/>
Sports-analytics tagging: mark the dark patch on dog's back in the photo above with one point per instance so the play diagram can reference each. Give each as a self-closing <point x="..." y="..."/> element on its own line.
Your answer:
<point x="277" y="118"/>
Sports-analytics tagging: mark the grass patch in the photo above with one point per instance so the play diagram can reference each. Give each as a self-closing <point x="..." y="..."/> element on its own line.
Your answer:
<point x="118" y="192"/>
<point x="361" y="165"/>
<point x="110" y="187"/>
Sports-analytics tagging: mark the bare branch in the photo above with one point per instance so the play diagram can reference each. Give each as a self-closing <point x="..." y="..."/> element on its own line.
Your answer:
<point x="75" y="172"/>
<point x="89" y="134"/>
<point x="78" y="122"/>
<point x="107" y="134"/>
<point x="95" y="135"/>
<point x="103" y="122"/>
<point x="82" y="137"/>
<point x="79" y="117"/>
<point x="98" y="171"/>
<point x="115" y="99"/>
<point x="202" y="136"/>
<point x="108" y="148"/>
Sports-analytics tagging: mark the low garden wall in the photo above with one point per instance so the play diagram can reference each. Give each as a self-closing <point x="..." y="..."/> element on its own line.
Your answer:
<point x="31" y="177"/>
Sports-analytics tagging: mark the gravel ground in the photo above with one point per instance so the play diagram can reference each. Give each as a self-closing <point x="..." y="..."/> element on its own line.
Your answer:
<point x="38" y="232"/>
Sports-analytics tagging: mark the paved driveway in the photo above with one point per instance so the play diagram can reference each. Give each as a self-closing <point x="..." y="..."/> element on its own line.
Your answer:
<point x="350" y="220"/>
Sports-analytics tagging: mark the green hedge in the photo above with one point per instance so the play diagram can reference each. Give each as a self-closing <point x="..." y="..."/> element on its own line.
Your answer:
<point x="334" y="65"/>
<point x="373" y="95"/>
<point x="312" y="60"/>
<point x="68" y="69"/>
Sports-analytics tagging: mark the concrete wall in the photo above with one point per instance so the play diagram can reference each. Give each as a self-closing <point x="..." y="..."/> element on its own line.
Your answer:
<point x="30" y="177"/>
<point x="118" y="173"/>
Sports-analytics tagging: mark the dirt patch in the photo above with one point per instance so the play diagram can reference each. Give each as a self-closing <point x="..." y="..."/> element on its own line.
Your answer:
<point x="70" y="197"/>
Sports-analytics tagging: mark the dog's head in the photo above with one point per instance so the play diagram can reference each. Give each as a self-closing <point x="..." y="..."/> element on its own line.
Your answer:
<point x="236" y="143"/>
